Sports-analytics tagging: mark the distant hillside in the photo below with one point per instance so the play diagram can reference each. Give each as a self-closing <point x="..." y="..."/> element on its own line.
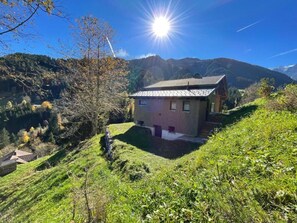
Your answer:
<point x="36" y="71"/>
<point x="48" y="73"/>
<point x="290" y="70"/>
<point x="239" y="74"/>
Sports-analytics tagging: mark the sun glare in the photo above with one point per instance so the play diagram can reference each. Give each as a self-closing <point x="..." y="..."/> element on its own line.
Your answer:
<point x="161" y="26"/>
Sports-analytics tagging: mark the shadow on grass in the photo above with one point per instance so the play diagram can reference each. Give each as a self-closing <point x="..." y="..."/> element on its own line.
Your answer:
<point x="142" y="138"/>
<point x="238" y="114"/>
<point x="52" y="161"/>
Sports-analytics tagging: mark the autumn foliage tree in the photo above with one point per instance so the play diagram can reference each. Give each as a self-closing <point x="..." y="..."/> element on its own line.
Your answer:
<point x="15" y="14"/>
<point x="97" y="80"/>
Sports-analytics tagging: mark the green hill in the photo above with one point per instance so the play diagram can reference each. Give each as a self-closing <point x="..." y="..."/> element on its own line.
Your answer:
<point x="244" y="173"/>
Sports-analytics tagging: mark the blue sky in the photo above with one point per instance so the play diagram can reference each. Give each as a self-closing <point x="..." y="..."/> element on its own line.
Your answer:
<point x="262" y="32"/>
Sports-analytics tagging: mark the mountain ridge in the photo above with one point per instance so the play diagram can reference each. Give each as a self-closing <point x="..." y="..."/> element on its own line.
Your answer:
<point x="142" y="72"/>
<point x="239" y="74"/>
<point x="290" y="70"/>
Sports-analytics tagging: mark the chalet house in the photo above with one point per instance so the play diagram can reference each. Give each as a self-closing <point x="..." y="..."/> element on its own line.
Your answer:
<point x="176" y="108"/>
<point x="8" y="163"/>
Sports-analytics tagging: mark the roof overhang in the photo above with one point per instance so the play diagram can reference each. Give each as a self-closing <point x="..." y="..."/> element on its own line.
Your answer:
<point x="192" y="93"/>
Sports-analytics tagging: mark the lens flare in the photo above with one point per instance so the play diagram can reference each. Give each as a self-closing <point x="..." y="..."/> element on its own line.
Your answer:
<point x="161" y="26"/>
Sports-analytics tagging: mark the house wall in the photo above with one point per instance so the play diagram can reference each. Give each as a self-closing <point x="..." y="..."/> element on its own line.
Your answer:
<point x="157" y="112"/>
<point x="218" y="103"/>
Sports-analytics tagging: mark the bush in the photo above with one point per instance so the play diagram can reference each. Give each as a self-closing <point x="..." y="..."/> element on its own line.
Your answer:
<point x="266" y="87"/>
<point x="250" y="94"/>
<point x="285" y="99"/>
<point x="47" y="105"/>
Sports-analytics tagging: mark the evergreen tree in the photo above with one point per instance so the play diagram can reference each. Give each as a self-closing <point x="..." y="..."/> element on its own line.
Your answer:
<point x="53" y="124"/>
<point x="51" y="138"/>
<point x="4" y="138"/>
<point x="14" y="138"/>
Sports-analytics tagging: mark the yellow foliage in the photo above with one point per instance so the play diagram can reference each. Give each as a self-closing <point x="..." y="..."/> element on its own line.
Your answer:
<point x="47" y="104"/>
<point x="33" y="108"/>
<point x="9" y="105"/>
<point x="32" y="129"/>
<point x="59" y="117"/>
<point x="25" y="137"/>
<point x="24" y="103"/>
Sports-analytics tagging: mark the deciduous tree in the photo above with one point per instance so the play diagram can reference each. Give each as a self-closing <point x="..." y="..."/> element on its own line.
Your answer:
<point x="266" y="87"/>
<point x="15" y="14"/>
<point x="97" y="80"/>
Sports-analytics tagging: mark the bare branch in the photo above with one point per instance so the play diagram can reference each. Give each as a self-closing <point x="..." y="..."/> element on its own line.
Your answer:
<point x="21" y="23"/>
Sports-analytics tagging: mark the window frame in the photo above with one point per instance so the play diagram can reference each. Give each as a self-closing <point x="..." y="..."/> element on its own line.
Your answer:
<point x="171" y="109"/>
<point x="184" y="103"/>
<point x="142" y="102"/>
<point x="139" y="122"/>
<point x="171" y="129"/>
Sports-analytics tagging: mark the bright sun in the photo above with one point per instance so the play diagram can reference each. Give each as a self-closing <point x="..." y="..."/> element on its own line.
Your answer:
<point x="161" y="26"/>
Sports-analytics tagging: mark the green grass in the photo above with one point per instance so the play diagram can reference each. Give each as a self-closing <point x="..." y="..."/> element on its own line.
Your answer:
<point x="141" y="138"/>
<point x="244" y="173"/>
<point x="29" y="195"/>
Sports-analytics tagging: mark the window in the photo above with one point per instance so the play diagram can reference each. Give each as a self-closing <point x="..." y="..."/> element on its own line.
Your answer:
<point x="140" y="122"/>
<point x="212" y="107"/>
<point x="186" y="106"/>
<point x="171" y="129"/>
<point x="172" y="105"/>
<point x="142" y="102"/>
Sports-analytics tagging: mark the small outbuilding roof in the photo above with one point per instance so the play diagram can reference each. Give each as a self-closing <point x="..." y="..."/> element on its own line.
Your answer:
<point x="204" y="81"/>
<point x="174" y="93"/>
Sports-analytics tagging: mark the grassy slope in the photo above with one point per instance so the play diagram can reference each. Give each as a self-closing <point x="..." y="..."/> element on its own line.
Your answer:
<point x="245" y="173"/>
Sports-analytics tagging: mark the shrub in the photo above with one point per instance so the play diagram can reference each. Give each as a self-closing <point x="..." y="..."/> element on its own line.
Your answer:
<point x="24" y="136"/>
<point x="47" y="105"/>
<point x="9" y="105"/>
<point x="266" y="87"/>
<point x="285" y="99"/>
<point x="250" y="94"/>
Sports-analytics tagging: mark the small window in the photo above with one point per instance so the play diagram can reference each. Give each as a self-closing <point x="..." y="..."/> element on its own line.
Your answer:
<point x="142" y="102"/>
<point x="171" y="129"/>
<point x="172" y="105"/>
<point x="140" y="123"/>
<point x="186" y="106"/>
<point x="212" y="107"/>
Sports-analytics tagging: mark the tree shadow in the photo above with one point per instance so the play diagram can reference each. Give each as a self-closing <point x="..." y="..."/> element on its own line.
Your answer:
<point x="238" y="114"/>
<point x="142" y="138"/>
<point x="52" y="160"/>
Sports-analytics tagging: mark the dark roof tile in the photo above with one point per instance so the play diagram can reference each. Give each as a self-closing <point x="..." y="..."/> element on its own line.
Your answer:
<point x="204" y="81"/>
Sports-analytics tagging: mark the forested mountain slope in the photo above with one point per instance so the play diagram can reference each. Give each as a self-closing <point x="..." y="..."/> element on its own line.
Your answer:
<point x="239" y="74"/>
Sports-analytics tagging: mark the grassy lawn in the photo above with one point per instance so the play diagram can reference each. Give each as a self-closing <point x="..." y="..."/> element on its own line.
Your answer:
<point x="142" y="138"/>
<point x="47" y="189"/>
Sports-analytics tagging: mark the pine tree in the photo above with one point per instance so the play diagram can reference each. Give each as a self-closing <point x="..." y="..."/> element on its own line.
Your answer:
<point x="53" y="124"/>
<point x="51" y="138"/>
<point x="13" y="138"/>
<point x="4" y="138"/>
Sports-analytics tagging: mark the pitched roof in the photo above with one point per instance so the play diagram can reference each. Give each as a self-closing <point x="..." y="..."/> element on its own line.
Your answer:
<point x="26" y="156"/>
<point x="18" y="159"/>
<point x="174" y="93"/>
<point x="211" y="80"/>
<point x="21" y="153"/>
